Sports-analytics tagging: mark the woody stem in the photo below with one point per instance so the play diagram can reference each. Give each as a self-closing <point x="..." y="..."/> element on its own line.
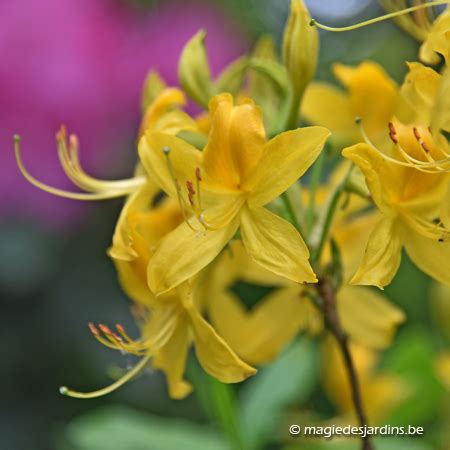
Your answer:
<point x="328" y="296"/>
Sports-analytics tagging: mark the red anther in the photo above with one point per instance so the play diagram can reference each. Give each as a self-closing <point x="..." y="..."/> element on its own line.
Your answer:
<point x="73" y="141"/>
<point x="191" y="191"/>
<point x="424" y="146"/>
<point x="198" y="174"/>
<point x="420" y="140"/>
<point x="105" y="329"/>
<point x="190" y="187"/>
<point x="120" y="328"/>
<point x="93" y="329"/>
<point x="392" y="133"/>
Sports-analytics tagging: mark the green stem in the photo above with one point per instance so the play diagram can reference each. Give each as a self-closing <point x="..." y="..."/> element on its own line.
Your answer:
<point x="332" y="206"/>
<point x="293" y="117"/>
<point x="224" y="403"/>
<point x="290" y="210"/>
<point x="218" y="399"/>
<point x="313" y="185"/>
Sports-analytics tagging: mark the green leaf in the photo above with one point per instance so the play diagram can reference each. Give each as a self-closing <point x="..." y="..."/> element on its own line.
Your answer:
<point x="121" y="428"/>
<point x="288" y="381"/>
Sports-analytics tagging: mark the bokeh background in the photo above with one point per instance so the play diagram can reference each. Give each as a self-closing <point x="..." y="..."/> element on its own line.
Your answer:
<point x="82" y="63"/>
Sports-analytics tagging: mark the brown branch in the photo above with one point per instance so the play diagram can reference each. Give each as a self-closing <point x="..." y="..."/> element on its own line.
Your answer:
<point x="331" y="316"/>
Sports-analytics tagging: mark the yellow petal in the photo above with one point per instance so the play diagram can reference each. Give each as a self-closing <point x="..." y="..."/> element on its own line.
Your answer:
<point x="373" y="95"/>
<point x="382" y="257"/>
<point x="214" y="354"/>
<point x="438" y="41"/>
<point x="284" y="160"/>
<point x="122" y="247"/>
<point x="440" y="115"/>
<point x="228" y="315"/>
<point x="273" y="323"/>
<point x="419" y="91"/>
<point x="184" y="159"/>
<point x="235" y="142"/>
<point x="275" y="244"/>
<point x="429" y="255"/>
<point x="386" y="181"/>
<point x="352" y="235"/>
<point x="445" y="209"/>
<point x="327" y="106"/>
<point x="368" y="317"/>
<point x="161" y="115"/>
<point x="183" y="253"/>
<point x="171" y="359"/>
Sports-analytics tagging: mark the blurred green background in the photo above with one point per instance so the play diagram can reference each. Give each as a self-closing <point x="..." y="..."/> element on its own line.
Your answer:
<point x="55" y="276"/>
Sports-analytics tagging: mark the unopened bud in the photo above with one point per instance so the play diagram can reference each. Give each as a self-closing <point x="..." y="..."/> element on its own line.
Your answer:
<point x="300" y="46"/>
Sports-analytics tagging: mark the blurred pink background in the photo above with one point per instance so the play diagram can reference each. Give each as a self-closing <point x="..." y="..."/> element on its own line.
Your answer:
<point x="82" y="63"/>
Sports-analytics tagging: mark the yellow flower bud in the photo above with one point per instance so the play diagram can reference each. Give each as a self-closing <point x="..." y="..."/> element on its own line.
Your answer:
<point x="300" y="47"/>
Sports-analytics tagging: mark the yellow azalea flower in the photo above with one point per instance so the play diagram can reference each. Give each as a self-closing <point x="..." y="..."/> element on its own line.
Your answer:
<point x="224" y="188"/>
<point x="371" y="94"/>
<point x="381" y="392"/>
<point x="409" y="201"/>
<point x="171" y="323"/>
<point x="437" y="41"/>
<point x="408" y="182"/>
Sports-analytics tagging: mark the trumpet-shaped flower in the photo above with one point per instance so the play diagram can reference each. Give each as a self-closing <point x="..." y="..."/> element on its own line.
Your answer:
<point x="224" y="188"/>
<point x="408" y="181"/>
<point x="171" y="323"/>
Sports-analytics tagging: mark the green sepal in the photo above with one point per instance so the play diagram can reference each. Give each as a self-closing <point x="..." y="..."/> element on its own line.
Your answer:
<point x="194" y="72"/>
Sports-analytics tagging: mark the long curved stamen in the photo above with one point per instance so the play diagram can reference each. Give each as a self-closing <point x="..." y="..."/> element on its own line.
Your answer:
<point x="423" y="145"/>
<point x="123" y="333"/>
<point x="422" y="166"/>
<point x="112" y="340"/>
<point x="378" y="19"/>
<point x="83" y="196"/>
<point x="112" y="387"/>
<point x="68" y="156"/>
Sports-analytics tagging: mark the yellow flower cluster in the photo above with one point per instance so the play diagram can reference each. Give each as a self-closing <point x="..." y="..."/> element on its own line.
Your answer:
<point x="216" y="200"/>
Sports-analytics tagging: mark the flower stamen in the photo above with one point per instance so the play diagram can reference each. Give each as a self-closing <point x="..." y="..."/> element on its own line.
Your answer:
<point x="391" y="15"/>
<point x="97" y="189"/>
<point x="64" y="390"/>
